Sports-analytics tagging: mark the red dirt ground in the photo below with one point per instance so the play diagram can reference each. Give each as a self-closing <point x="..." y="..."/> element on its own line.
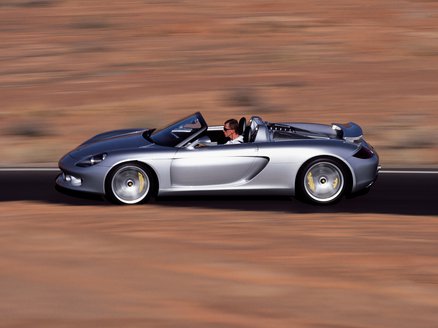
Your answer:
<point x="70" y="69"/>
<point x="150" y="266"/>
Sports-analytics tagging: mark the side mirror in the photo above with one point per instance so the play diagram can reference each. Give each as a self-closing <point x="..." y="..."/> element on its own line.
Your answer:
<point x="204" y="141"/>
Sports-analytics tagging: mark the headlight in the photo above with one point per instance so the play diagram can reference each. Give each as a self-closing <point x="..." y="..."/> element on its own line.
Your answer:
<point x="92" y="160"/>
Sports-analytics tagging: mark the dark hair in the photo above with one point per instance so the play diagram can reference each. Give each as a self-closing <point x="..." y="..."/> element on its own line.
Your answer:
<point x="234" y="125"/>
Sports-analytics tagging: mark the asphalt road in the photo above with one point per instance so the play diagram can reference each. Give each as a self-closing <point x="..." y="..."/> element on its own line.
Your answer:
<point x="394" y="193"/>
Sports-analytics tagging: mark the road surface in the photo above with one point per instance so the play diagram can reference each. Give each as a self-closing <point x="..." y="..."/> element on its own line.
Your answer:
<point x="395" y="192"/>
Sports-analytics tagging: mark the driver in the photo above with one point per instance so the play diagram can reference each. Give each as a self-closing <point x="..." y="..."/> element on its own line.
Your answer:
<point x="231" y="128"/>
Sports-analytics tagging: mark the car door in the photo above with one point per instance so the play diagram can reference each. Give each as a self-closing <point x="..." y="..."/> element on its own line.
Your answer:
<point x="216" y="166"/>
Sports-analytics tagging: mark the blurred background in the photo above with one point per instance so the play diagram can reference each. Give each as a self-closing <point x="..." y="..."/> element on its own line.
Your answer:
<point x="70" y="69"/>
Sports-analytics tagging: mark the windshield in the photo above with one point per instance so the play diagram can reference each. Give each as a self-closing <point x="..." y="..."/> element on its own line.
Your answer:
<point x="177" y="133"/>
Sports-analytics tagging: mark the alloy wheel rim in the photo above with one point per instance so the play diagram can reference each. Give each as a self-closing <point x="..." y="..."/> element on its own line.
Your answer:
<point x="130" y="184"/>
<point x="324" y="181"/>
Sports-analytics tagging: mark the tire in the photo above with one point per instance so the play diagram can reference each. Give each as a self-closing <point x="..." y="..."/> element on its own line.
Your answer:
<point x="130" y="184"/>
<point x="322" y="181"/>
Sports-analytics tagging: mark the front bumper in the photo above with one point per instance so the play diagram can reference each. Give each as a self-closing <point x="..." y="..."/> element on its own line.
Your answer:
<point x="83" y="179"/>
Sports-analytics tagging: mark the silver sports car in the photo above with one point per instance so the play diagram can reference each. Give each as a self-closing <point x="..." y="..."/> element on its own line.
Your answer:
<point x="320" y="163"/>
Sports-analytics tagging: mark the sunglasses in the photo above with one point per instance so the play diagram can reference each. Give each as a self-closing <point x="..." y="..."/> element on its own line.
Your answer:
<point x="226" y="129"/>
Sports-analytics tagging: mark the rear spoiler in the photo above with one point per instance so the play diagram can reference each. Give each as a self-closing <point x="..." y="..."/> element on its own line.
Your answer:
<point x="351" y="132"/>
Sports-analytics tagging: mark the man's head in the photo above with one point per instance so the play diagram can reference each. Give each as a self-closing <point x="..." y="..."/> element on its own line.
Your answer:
<point x="231" y="128"/>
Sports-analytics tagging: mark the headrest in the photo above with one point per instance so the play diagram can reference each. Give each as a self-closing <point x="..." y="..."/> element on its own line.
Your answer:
<point x="242" y="125"/>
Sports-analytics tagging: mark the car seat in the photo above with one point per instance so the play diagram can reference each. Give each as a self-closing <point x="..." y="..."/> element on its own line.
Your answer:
<point x="244" y="129"/>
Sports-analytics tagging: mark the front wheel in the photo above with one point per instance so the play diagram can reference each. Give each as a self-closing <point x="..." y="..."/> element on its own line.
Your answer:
<point x="322" y="181"/>
<point x="129" y="184"/>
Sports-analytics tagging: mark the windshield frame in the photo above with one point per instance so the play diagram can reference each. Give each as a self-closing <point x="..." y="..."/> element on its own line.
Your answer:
<point x="168" y="138"/>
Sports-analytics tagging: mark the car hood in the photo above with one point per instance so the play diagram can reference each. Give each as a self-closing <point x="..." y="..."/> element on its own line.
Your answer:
<point x="122" y="141"/>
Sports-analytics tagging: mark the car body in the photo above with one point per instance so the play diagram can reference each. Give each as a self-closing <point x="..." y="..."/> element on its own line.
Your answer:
<point x="319" y="162"/>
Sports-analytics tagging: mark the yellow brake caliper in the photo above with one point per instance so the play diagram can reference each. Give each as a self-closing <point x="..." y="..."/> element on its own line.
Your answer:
<point x="335" y="183"/>
<point x="310" y="182"/>
<point x="141" y="179"/>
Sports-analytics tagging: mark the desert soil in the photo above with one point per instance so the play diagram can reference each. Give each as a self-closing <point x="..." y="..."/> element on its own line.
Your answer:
<point x="73" y="68"/>
<point x="151" y="266"/>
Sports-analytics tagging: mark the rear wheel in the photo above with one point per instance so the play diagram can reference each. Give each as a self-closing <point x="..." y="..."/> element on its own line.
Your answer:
<point x="322" y="181"/>
<point x="129" y="184"/>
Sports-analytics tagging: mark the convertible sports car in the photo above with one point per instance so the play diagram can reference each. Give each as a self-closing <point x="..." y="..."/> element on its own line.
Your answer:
<point x="320" y="163"/>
